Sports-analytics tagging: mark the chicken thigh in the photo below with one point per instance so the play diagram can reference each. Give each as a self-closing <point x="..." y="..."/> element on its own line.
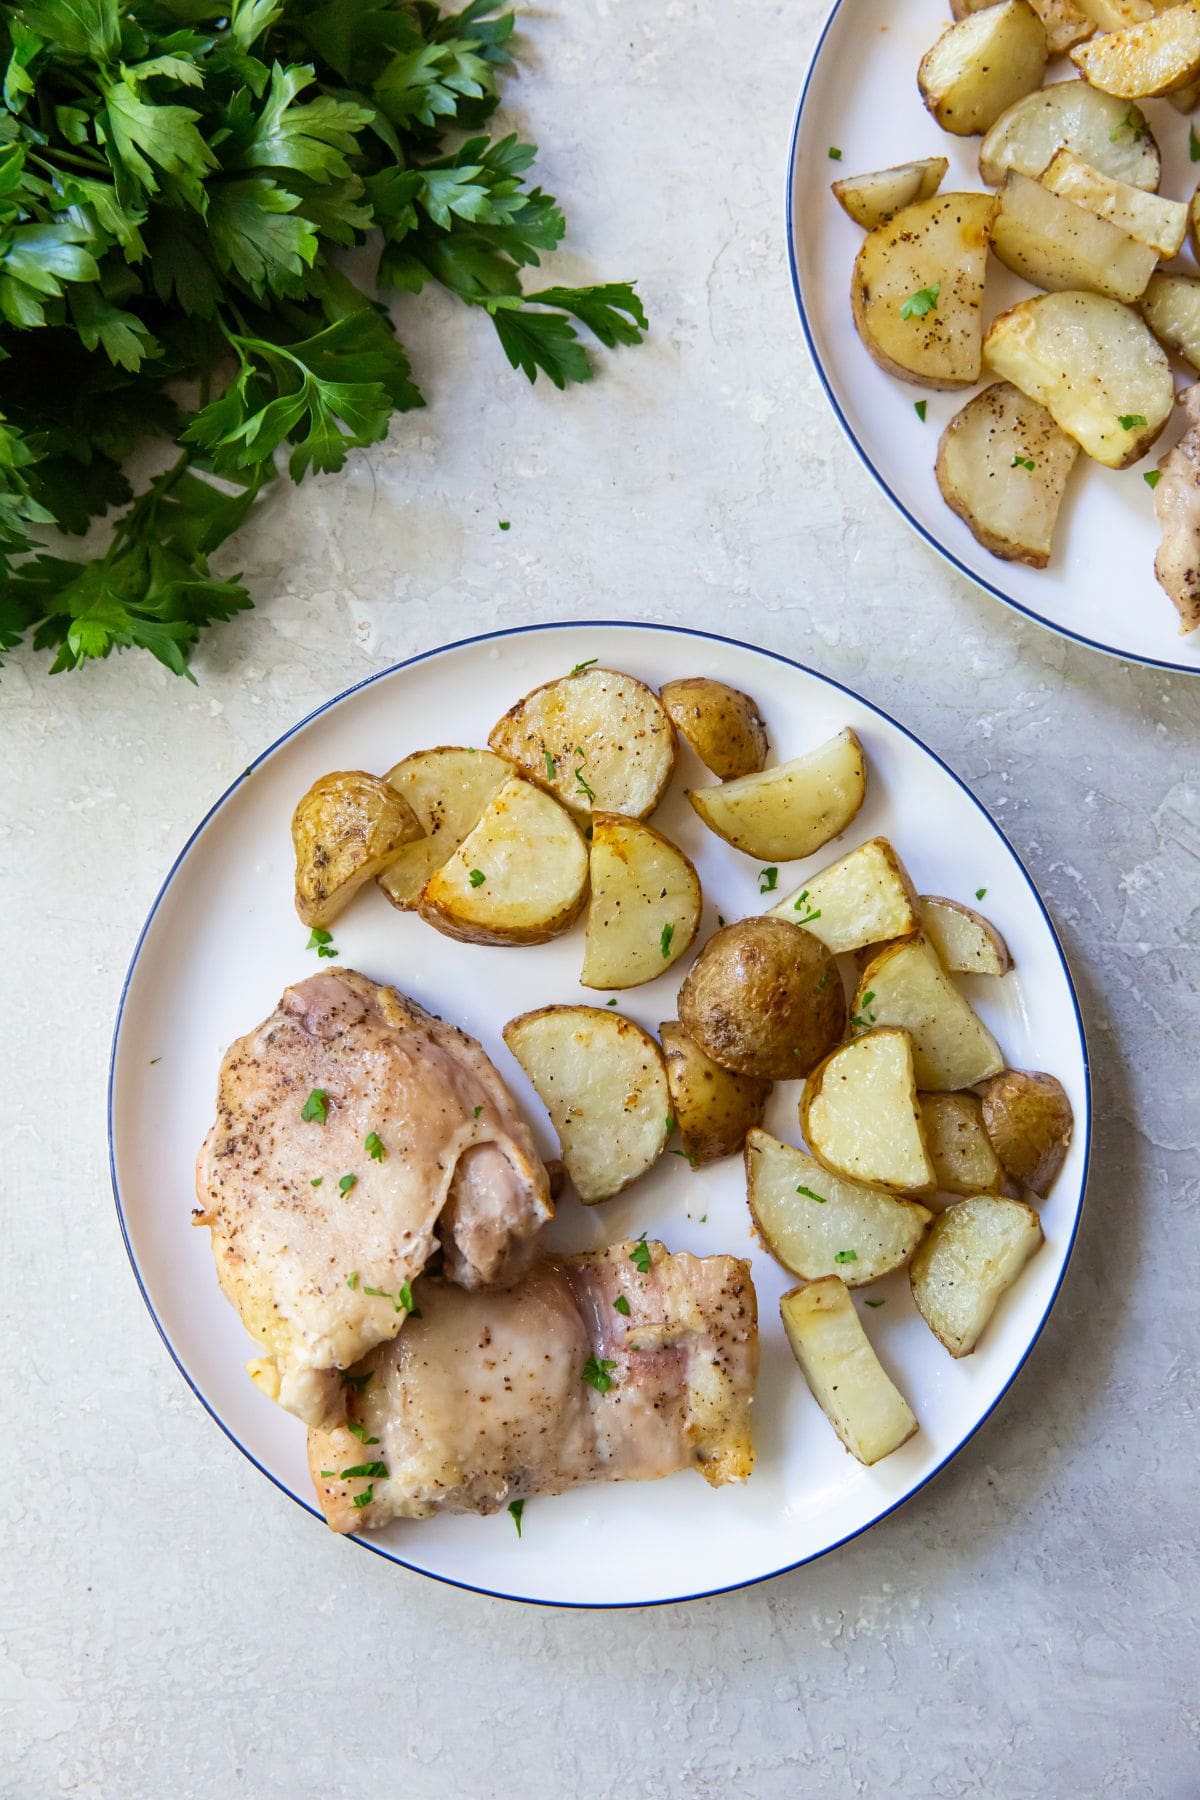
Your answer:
<point x="355" y="1136"/>
<point x="490" y="1397"/>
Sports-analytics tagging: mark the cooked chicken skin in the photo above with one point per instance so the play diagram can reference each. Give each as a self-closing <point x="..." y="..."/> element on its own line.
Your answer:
<point x="421" y="1141"/>
<point x="486" y="1397"/>
<point x="1177" y="503"/>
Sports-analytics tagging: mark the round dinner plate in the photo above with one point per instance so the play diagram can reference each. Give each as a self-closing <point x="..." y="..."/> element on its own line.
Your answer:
<point x="222" y="942"/>
<point x="860" y="96"/>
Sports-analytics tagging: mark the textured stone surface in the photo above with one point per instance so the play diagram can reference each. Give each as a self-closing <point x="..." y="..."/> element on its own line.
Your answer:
<point x="1027" y="1626"/>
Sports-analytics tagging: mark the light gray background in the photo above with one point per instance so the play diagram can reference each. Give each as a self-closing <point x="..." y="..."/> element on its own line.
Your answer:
<point x="1027" y="1626"/>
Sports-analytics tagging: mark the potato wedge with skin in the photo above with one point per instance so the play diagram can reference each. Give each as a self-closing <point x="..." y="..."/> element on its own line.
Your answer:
<point x="603" y="1081"/>
<point x="959" y="1147"/>
<point x="1112" y="135"/>
<point x="1153" y="57"/>
<point x="845" y="1377"/>
<point x="789" y="811"/>
<point x="972" y="1254"/>
<point x="1065" y="23"/>
<point x="816" y="1223"/>
<point x="966" y="942"/>
<point x="981" y="65"/>
<point x="520" y="877"/>
<point x="1115" y="15"/>
<point x="1029" y="1120"/>
<point x="1055" y="244"/>
<point x="721" y="724"/>
<point x="713" y="1107"/>
<point x="1090" y="362"/>
<point x="984" y="474"/>
<point x="346" y="829"/>
<point x="937" y="248"/>
<point x="595" y="739"/>
<point x="1148" y="218"/>
<point x="860" y="1117"/>
<point x="1171" y="308"/>
<point x="906" y="986"/>
<point x="447" y="789"/>
<point x="863" y="898"/>
<point x="644" y="908"/>
<point x="764" y="999"/>
<point x="873" y="199"/>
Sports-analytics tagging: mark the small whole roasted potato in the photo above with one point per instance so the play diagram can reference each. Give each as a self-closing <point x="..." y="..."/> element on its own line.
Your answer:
<point x="712" y="1107"/>
<point x="345" y="830"/>
<point x="764" y="998"/>
<point x="1029" y="1120"/>
<point x="721" y="724"/>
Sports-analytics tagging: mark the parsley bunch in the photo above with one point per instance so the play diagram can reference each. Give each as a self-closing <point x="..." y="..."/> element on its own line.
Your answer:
<point x="176" y="180"/>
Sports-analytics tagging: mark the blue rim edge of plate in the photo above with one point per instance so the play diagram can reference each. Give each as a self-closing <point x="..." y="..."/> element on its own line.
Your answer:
<point x="525" y="631"/>
<point x="947" y="555"/>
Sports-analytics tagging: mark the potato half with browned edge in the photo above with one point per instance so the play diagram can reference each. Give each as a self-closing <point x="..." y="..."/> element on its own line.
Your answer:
<point x="1093" y="364"/>
<point x="917" y="290"/>
<point x="787" y="812"/>
<point x="520" y="877"/>
<point x="972" y="1253"/>
<point x="764" y="999"/>
<point x="860" y="1117"/>
<point x="1029" y="1120"/>
<point x="1171" y="308"/>
<point x="846" y="1378"/>
<point x="721" y="724"/>
<point x="713" y="1107"/>
<point x="1055" y="244"/>
<point x="345" y="829"/>
<point x="979" y="66"/>
<point x="595" y="739"/>
<point x="1110" y="134"/>
<point x="603" y="1081"/>
<point x="1159" y="223"/>
<point x="1115" y="15"/>
<point x="1154" y="57"/>
<point x="1002" y="466"/>
<point x="1065" y="24"/>
<point x="644" y="908"/>
<point x="863" y="898"/>
<point x="906" y="986"/>
<point x="447" y="789"/>
<point x="816" y="1223"/>
<point x="966" y="942"/>
<point x="875" y="198"/>
<point x="959" y="1147"/>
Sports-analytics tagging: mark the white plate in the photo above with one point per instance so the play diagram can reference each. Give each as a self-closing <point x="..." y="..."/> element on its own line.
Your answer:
<point x="860" y="96"/>
<point x="222" y="942"/>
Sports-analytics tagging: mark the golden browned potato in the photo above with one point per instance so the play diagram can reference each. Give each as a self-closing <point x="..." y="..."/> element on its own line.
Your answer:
<point x="917" y="290"/>
<point x="723" y="726"/>
<point x="787" y="812"/>
<point x="1029" y="1120"/>
<point x="595" y="739"/>
<point x="847" y="1380"/>
<point x="1114" y="15"/>
<point x="973" y="1252"/>
<point x="713" y="1107"/>
<point x="1149" y="218"/>
<point x="906" y="986"/>
<point x="1056" y="244"/>
<point x="1155" y="57"/>
<point x="1002" y="466"/>
<point x="1065" y="23"/>
<point x="981" y="65"/>
<point x="645" y="904"/>
<point x="873" y="199"/>
<point x="959" y="1147"/>
<point x="447" y="789"/>
<point x="520" y="877"/>
<point x="860" y="1117"/>
<point x="816" y="1223"/>
<point x="1171" y="308"/>
<point x="345" y="830"/>
<point x="863" y="898"/>
<point x="1112" y="135"/>
<point x="764" y="999"/>
<point x="966" y="942"/>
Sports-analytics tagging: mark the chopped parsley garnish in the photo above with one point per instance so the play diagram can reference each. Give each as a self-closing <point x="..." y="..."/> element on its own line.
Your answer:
<point x="980" y="892"/>
<point x="360" y="1432"/>
<point x="477" y="878"/>
<point x="672" y="1123"/>
<point x="316" y="1107"/>
<point x="1021" y="462"/>
<point x="328" y="1474"/>
<point x="365" y="1498"/>
<point x="664" y="942"/>
<point x="359" y="1383"/>
<point x="551" y="767"/>
<point x="475" y="1111"/>
<point x="920" y="303"/>
<point x="704" y="1218"/>
<point x="155" y="1059"/>
<point x="582" y="786"/>
<point x="800" y="901"/>
<point x="346" y="1182"/>
<point x="823" y="983"/>
<point x="405" y="1298"/>
<point x="861" y="1020"/>
<point x="597" y="1373"/>
<point x="375" y="1471"/>
<point x="921" y="407"/>
<point x="621" y="1305"/>
<point x="809" y="1195"/>
<point x="845" y="1256"/>
<point x="374" y="1147"/>
<point x="316" y="1181"/>
<point x="1135" y="124"/>
<point x="720" y="923"/>
<point x="767" y="880"/>
<point x="516" y="1508"/>
<point x="1193" y="144"/>
<point x="875" y="1303"/>
<point x="352" y="1279"/>
<point x="321" y="941"/>
<point x="611" y="1002"/>
<point x="639" y="1256"/>
<point x="1152" y="477"/>
<point x="1127" y="421"/>
<point x="687" y="1156"/>
<point x="835" y="154"/>
<point x="580" y="667"/>
<point x="504" y="524"/>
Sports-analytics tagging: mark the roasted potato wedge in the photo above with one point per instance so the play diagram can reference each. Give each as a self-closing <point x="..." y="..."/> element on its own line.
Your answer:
<point x="520" y="877"/>
<point x="966" y="942"/>
<point x="1148" y="218"/>
<point x="447" y="789"/>
<point x="863" y="898"/>
<point x="1115" y="15"/>
<point x="787" y="812"/>
<point x="346" y="829"/>
<point x="1091" y="363"/>
<point x="1002" y="466"/>
<point x="906" y="986"/>
<point x="846" y="1378"/>
<point x="1171" y="308"/>
<point x="764" y="999"/>
<point x="595" y="739"/>
<point x="1154" y="57"/>
<point x="860" y="1117"/>
<point x="722" y="725"/>
<point x="1029" y="1120"/>
<point x="873" y="199"/>
<point x="973" y="1252"/>
<point x="981" y="65"/>
<point x="1065" y="24"/>
<point x="959" y="1147"/>
<point x="644" y="908"/>
<point x="917" y="290"/>
<point x="816" y="1223"/>
<point x="1112" y="135"/>
<point x="713" y="1107"/>
<point x="603" y="1081"/>
<point x="1057" y="245"/>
